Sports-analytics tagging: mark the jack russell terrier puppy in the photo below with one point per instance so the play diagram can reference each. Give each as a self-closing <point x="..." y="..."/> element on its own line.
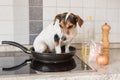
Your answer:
<point x="60" y="33"/>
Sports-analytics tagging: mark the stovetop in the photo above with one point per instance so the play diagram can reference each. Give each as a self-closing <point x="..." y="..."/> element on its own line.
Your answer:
<point x="10" y="61"/>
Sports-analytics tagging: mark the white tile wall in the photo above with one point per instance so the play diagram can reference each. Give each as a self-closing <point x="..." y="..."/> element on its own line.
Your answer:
<point x="113" y="37"/>
<point x="65" y="3"/>
<point x="22" y="39"/>
<point x="98" y="25"/>
<point x="21" y="13"/>
<point x="20" y="2"/>
<point x="101" y="4"/>
<point x="101" y="10"/>
<point x="21" y="21"/>
<point x="100" y="14"/>
<point x="76" y="3"/>
<point x="21" y="27"/>
<point x="6" y="20"/>
<point x="6" y="2"/>
<point x="14" y="16"/>
<point x="78" y="11"/>
<point x="113" y="3"/>
<point x="112" y="15"/>
<point x="6" y="13"/>
<point x="88" y="12"/>
<point x="46" y="23"/>
<point x="114" y="27"/>
<point x="61" y="10"/>
<point x="89" y="3"/>
<point x="49" y="13"/>
<point x="49" y="3"/>
<point x="6" y="37"/>
<point x="6" y="27"/>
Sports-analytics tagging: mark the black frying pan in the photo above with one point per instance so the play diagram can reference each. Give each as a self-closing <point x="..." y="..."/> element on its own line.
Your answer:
<point x="45" y="57"/>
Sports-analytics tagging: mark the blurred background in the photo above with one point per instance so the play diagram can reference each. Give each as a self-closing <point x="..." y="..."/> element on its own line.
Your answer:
<point x="23" y="20"/>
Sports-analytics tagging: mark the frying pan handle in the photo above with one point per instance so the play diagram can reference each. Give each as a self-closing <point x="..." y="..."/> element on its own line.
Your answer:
<point x="17" y="66"/>
<point x="17" y="45"/>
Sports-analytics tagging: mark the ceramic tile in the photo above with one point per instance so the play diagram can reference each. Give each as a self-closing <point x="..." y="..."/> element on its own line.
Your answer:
<point x="76" y="3"/>
<point x="35" y="13"/>
<point x="35" y="2"/>
<point x="77" y="11"/>
<point x="49" y="13"/>
<point x="49" y="3"/>
<point x="21" y="2"/>
<point x="114" y="27"/>
<point x="6" y="2"/>
<point x="36" y="27"/>
<point x="7" y="37"/>
<point x="89" y="3"/>
<point x="113" y="3"/>
<point x="98" y="25"/>
<point x="21" y="27"/>
<point x="100" y="14"/>
<point x="6" y="13"/>
<point x="114" y="38"/>
<point x="62" y="10"/>
<point x="101" y="3"/>
<point x="6" y="27"/>
<point x="61" y="3"/>
<point x="88" y="12"/>
<point x="32" y="38"/>
<point x="112" y="14"/>
<point x="46" y="23"/>
<point x="21" y="13"/>
<point x="22" y="38"/>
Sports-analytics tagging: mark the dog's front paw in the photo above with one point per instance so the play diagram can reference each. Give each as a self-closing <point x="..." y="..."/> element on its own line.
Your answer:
<point x="67" y="49"/>
<point x="57" y="44"/>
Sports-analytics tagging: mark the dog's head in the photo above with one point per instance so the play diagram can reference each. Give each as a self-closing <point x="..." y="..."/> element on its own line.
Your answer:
<point x="68" y="23"/>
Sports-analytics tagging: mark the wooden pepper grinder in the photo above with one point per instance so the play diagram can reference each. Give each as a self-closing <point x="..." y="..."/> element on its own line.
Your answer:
<point x="105" y="40"/>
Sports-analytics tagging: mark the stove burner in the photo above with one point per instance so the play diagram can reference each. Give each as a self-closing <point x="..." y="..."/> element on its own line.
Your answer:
<point x="53" y="67"/>
<point x="32" y="66"/>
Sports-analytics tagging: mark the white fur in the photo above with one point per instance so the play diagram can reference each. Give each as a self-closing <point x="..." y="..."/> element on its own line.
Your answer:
<point x="46" y="39"/>
<point x="67" y="16"/>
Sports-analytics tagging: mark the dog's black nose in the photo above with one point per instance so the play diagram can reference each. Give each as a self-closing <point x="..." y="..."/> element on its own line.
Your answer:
<point x="63" y="38"/>
<point x="56" y="38"/>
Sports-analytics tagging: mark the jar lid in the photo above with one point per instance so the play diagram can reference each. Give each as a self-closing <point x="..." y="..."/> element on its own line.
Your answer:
<point x="89" y="17"/>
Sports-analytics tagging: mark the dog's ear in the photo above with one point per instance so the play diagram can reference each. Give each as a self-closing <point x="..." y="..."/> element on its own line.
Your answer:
<point x="79" y="20"/>
<point x="57" y="17"/>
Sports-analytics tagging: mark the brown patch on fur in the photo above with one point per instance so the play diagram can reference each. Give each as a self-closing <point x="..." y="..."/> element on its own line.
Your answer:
<point x="69" y="25"/>
<point x="59" y="17"/>
<point x="80" y="21"/>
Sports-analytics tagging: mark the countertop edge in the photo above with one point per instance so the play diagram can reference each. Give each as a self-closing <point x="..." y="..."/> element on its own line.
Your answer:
<point x="63" y="76"/>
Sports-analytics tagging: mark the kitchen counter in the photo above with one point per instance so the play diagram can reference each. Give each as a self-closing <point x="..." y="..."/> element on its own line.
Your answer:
<point x="108" y="72"/>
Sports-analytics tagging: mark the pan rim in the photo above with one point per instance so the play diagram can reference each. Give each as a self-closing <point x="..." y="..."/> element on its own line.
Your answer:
<point x="53" y="53"/>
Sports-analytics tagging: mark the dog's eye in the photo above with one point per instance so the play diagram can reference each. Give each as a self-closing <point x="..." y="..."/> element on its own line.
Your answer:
<point x="61" y="26"/>
<point x="70" y="27"/>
